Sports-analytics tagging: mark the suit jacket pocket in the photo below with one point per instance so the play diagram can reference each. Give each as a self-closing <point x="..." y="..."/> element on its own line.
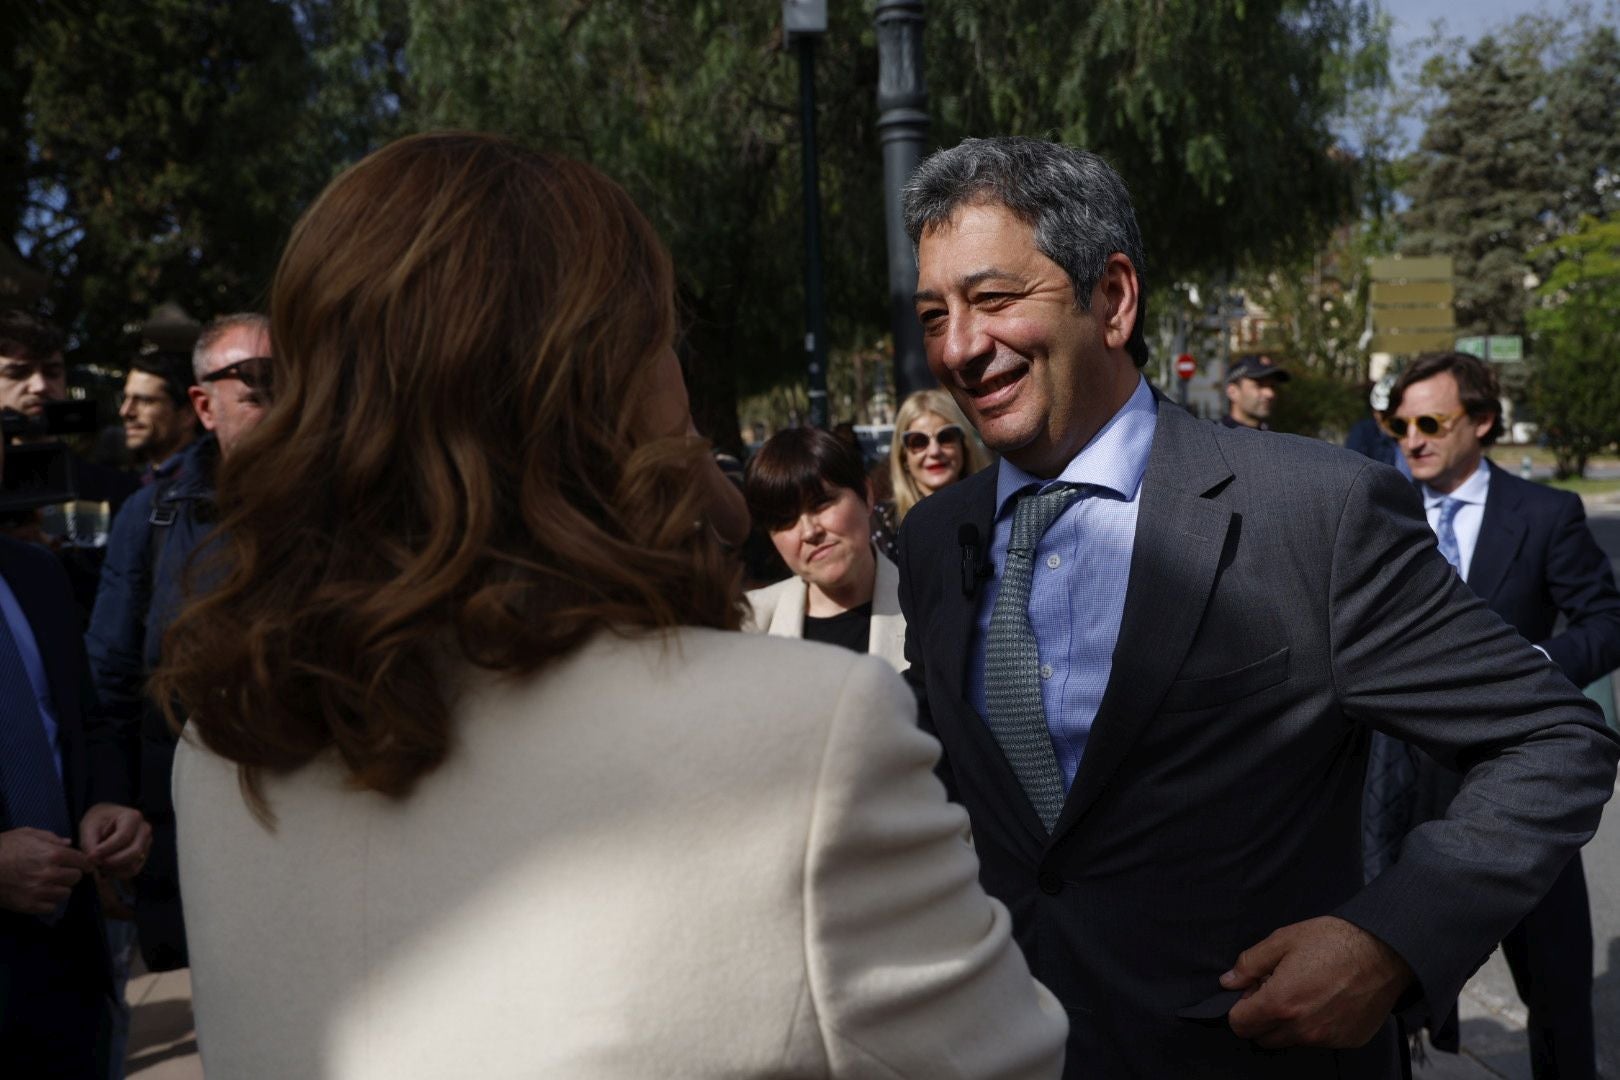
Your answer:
<point x="1207" y="692"/>
<point x="1213" y="1009"/>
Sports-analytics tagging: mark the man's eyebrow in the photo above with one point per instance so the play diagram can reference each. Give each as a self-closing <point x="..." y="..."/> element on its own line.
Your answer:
<point x="978" y="277"/>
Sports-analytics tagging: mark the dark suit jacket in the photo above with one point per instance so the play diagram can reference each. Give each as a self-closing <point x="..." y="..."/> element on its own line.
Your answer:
<point x="1535" y="558"/>
<point x="41" y="588"/>
<point x="1285" y="597"/>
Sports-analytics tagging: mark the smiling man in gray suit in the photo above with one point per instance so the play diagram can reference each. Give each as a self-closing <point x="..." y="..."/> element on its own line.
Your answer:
<point x="1153" y="650"/>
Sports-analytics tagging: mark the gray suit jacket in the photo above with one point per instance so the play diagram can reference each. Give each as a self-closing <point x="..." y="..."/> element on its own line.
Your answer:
<point x="1285" y="598"/>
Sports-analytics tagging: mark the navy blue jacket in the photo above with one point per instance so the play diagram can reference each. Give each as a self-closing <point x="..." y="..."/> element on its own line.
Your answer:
<point x="89" y="772"/>
<point x="141" y="591"/>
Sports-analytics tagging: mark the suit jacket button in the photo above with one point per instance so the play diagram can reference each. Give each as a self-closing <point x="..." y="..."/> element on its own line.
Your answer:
<point x="1050" y="883"/>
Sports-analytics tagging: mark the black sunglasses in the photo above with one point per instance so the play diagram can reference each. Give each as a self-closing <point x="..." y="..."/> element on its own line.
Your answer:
<point x="917" y="441"/>
<point x="253" y="373"/>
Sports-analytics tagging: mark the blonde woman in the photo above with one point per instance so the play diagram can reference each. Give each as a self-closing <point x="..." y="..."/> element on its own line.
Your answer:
<point x="933" y="447"/>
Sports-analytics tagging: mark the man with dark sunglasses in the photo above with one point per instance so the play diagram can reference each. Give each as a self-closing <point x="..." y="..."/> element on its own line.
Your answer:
<point x="142" y="581"/>
<point x="1525" y="549"/>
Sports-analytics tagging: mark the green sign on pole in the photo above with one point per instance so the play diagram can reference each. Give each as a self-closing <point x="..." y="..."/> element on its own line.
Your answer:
<point x="1504" y="348"/>
<point x="1499" y="348"/>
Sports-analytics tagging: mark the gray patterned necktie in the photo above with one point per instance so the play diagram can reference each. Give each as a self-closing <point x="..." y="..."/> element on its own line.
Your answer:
<point x="1012" y="660"/>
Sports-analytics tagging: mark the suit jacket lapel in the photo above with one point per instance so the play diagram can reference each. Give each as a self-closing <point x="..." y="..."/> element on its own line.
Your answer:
<point x="957" y="614"/>
<point x="1180" y="535"/>
<point x="958" y="611"/>
<point x="1501" y="531"/>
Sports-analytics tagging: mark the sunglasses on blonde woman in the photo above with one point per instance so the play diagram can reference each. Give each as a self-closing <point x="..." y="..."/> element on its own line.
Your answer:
<point x="917" y="441"/>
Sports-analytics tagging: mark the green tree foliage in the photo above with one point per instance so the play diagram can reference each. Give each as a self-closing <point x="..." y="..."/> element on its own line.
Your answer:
<point x="1318" y="404"/>
<point x="166" y="157"/>
<point x="1575" y="379"/>
<point x="692" y="105"/>
<point x="1218" y="114"/>
<point x="1581" y="105"/>
<point x="1482" y="184"/>
<point x="170" y="143"/>
<point x="1519" y="144"/>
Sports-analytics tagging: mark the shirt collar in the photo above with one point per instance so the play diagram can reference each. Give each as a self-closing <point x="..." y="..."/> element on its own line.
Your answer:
<point x="1472" y="490"/>
<point x="1114" y="459"/>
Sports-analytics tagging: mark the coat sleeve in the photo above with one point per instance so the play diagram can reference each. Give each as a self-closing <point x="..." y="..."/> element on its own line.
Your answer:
<point x="912" y="968"/>
<point x="116" y="643"/>
<point x="1581" y="586"/>
<point x="1418" y="656"/>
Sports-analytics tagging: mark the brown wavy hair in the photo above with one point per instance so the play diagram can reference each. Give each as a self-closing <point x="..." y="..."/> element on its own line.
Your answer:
<point x="452" y="468"/>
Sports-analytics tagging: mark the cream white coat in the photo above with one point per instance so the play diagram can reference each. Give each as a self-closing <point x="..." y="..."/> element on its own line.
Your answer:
<point x="778" y="610"/>
<point x="711" y="855"/>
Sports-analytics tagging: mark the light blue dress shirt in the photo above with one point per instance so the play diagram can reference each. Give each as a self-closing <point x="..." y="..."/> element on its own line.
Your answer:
<point x="23" y="634"/>
<point x="1082" y="567"/>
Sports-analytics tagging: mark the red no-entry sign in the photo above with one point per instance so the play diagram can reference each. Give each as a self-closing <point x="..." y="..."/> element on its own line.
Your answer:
<point x="1186" y="366"/>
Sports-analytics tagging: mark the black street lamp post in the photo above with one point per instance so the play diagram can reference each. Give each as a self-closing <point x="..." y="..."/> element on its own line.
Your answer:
<point x="802" y="21"/>
<point x="903" y="129"/>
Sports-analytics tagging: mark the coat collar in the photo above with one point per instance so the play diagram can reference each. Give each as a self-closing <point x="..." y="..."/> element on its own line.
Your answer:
<point x="887" y="637"/>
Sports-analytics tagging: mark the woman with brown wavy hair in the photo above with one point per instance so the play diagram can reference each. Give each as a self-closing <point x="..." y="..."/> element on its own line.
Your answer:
<point x="476" y="783"/>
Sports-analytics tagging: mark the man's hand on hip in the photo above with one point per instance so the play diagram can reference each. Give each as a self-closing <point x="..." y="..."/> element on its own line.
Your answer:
<point x="1321" y="982"/>
<point x="38" y="870"/>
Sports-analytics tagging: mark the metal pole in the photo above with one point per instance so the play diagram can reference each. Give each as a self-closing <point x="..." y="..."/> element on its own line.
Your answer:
<point x="903" y="130"/>
<point x="815" y="347"/>
<point x="1181" y="347"/>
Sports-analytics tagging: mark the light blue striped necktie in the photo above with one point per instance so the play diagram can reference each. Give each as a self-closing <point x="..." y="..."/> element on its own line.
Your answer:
<point x="1012" y="659"/>
<point x="1446" y="533"/>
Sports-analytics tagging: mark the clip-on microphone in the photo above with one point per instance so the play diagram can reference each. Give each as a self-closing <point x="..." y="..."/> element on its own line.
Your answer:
<point x="974" y="569"/>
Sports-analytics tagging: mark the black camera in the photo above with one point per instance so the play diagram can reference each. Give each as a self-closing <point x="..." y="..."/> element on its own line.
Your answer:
<point x="39" y="472"/>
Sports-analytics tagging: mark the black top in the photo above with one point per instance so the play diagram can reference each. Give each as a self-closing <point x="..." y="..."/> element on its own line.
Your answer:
<point x="852" y="629"/>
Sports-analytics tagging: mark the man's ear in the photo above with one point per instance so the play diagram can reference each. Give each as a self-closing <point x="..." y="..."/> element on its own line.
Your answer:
<point x="1121" y="296"/>
<point x="203" y="405"/>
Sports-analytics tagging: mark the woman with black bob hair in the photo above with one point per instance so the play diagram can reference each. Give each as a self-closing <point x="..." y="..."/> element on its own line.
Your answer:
<point x="810" y="491"/>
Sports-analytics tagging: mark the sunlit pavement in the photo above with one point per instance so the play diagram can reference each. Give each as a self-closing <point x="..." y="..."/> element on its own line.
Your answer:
<point x="162" y="1043"/>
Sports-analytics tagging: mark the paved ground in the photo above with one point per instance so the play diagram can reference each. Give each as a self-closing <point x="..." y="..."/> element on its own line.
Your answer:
<point x="162" y="1044"/>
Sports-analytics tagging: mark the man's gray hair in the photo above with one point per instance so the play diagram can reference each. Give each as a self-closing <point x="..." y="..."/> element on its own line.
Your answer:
<point x="1076" y="203"/>
<point x="214" y="331"/>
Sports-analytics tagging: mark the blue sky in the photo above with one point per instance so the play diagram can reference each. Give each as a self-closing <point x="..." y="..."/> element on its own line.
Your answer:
<point x="1470" y="19"/>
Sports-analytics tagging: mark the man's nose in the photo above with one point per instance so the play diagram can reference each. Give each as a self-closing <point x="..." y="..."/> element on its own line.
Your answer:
<point x="126" y="408"/>
<point x="964" y="340"/>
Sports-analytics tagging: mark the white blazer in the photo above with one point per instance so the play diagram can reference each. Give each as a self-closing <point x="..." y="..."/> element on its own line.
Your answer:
<point x="778" y="610"/>
<point x="701" y="855"/>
